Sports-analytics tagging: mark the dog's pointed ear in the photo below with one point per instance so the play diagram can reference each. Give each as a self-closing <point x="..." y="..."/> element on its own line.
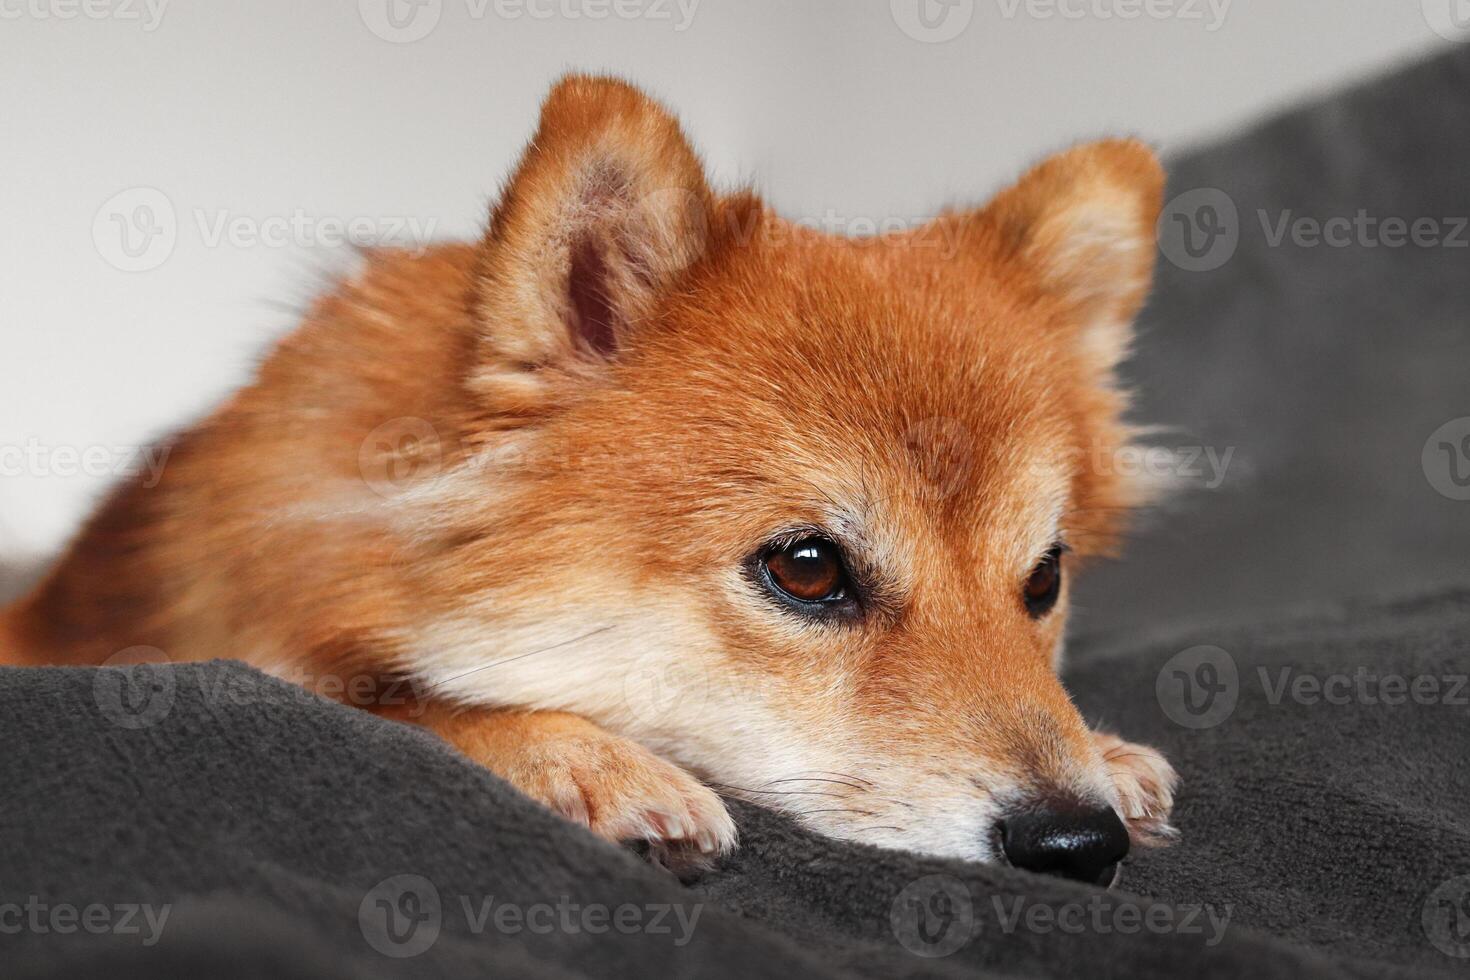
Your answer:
<point x="606" y="210"/>
<point x="1084" y="221"/>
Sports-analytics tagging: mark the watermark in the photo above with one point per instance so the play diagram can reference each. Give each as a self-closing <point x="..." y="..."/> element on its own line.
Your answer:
<point x="401" y="21"/>
<point x="1362" y="686"/>
<point x="1446" y="917"/>
<point x="407" y="21"/>
<point x="135" y="688"/>
<point x="1104" y="916"/>
<point x="38" y="459"/>
<point x="1446" y="459"/>
<point x="400" y="453"/>
<point x="1450" y="19"/>
<point x="1210" y="14"/>
<point x="402" y="916"/>
<point x="938" y="21"/>
<point x="1200" y="230"/>
<point x="361" y="690"/>
<point x="409" y="455"/>
<point x="147" y="14"/>
<point x="679" y="14"/>
<point x="925" y="232"/>
<point x="1198" y="687"/>
<point x="138" y="687"/>
<point x="932" y="21"/>
<point x="302" y="229"/>
<point x="1201" y="687"/>
<point x="940" y="450"/>
<point x="42" y="918"/>
<point x="1362" y="229"/>
<point x="1203" y="466"/>
<point x="657" y="690"/>
<point x="138" y="230"/>
<point x="661" y="689"/>
<point x="936" y="916"/>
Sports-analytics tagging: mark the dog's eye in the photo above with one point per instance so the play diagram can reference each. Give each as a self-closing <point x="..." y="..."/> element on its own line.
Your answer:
<point x="1044" y="584"/>
<point x="809" y="570"/>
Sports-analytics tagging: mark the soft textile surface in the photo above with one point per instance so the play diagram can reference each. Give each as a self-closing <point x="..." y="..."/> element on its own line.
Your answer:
<point x="1323" y="808"/>
<point x="1324" y="368"/>
<point x="1316" y="834"/>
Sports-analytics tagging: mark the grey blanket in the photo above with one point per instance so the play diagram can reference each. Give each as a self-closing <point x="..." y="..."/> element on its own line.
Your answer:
<point x="221" y="823"/>
<point x="206" y="820"/>
<point x="1329" y="365"/>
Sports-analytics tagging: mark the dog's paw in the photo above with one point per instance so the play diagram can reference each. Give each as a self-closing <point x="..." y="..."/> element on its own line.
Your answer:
<point x="1145" y="782"/>
<point x="625" y="793"/>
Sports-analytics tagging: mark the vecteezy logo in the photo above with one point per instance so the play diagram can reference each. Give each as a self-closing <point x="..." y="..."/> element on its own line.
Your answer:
<point x="401" y="21"/>
<point x="136" y="230"/>
<point x="1199" y="230"/>
<point x="1198" y="687"/>
<point x="932" y="21"/>
<point x="397" y="453"/>
<point x="1446" y="459"/>
<point x="1450" y="19"/>
<point x="677" y="217"/>
<point x="400" y="917"/>
<point x="939" y="450"/>
<point x="1446" y="917"/>
<point x="135" y="687"/>
<point x="656" y="688"/>
<point x="933" y="916"/>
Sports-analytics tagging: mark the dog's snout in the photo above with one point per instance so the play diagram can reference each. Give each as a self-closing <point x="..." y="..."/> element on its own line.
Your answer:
<point x="1084" y="843"/>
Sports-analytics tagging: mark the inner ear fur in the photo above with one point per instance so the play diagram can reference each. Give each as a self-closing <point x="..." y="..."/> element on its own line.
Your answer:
<point x="607" y="208"/>
<point x="1083" y="223"/>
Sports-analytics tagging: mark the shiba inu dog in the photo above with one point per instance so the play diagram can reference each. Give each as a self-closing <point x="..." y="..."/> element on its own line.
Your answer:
<point x="652" y="496"/>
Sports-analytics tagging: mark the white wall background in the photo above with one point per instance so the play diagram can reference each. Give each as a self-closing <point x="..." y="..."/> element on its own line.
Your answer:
<point x="269" y="113"/>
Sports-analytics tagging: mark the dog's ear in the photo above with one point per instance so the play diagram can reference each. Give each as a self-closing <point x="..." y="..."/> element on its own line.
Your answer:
<point x="1083" y="222"/>
<point x="608" y="207"/>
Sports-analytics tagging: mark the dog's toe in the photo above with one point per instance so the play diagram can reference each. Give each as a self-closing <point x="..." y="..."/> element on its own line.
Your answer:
<point x="624" y="793"/>
<point x="1145" y="783"/>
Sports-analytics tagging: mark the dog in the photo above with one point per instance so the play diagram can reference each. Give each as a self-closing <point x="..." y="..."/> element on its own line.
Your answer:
<point x="651" y="496"/>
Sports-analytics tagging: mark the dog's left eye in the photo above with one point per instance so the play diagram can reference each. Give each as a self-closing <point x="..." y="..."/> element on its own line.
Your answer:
<point x="809" y="571"/>
<point x="1044" y="584"/>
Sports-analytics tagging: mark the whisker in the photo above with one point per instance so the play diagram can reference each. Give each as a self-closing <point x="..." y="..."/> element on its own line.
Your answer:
<point x="776" y="792"/>
<point x="815" y="779"/>
<point x="843" y="775"/>
<point x="508" y="660"/>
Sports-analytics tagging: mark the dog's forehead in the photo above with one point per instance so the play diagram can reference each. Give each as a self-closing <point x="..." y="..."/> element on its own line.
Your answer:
<point x="878" y="346"/>
<point x="893" y="409"/>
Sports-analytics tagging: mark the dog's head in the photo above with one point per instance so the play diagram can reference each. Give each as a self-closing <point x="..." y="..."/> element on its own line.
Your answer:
<point x="800" y="512"/>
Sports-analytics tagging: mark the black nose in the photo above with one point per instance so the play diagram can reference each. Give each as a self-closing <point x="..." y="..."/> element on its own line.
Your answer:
<point x="1081" y="843"/>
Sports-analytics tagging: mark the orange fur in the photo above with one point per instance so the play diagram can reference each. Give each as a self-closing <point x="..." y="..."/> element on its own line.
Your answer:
<point x="526" y="472"/>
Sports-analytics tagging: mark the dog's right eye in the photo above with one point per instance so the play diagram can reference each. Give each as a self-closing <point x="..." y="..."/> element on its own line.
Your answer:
<point x="1044" y="586"/>
<point x="808" y="571"/>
